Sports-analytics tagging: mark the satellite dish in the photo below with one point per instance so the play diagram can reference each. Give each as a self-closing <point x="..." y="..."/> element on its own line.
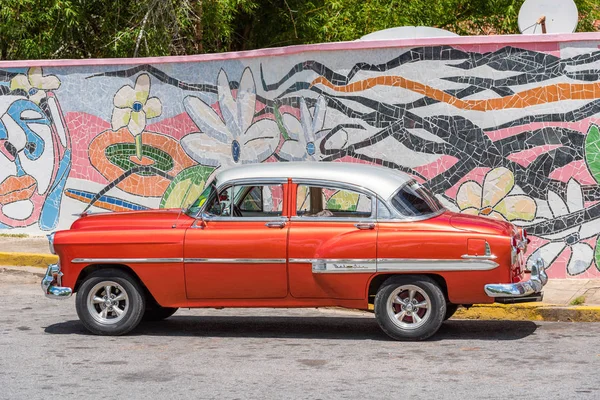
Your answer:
<point x="548" y="16"/>
<point x="408" y="32"/>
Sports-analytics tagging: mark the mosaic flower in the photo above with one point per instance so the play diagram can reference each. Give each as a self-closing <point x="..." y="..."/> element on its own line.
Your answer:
<point x="493" y="199"/>
<point x="231" y="137"/>
<point x="133" y="107"/>
<point x="307" y="132"/>
<point x="35" y="84"/>
<point x="582" y="254"/>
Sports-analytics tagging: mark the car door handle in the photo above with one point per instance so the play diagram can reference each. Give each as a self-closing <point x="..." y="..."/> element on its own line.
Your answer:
<point x="275" y="224"/>
<point x="365" y="225"/>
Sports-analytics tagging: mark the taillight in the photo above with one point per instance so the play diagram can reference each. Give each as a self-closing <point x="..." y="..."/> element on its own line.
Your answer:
<point x="515" y="245"/>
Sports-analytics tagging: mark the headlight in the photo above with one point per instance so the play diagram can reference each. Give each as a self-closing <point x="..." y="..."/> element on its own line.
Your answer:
<point x="51" y="242"/>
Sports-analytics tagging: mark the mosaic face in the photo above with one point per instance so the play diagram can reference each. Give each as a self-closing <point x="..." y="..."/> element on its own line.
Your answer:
<point x="29" y="147"/>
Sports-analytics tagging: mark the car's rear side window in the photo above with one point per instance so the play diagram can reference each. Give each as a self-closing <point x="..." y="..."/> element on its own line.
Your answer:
<point x="331" y="202"/>
<point x="413" y="200"/>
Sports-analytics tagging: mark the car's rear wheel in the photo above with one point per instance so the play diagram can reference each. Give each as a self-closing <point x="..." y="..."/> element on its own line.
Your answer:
<point x="410" y="307"/>
<point x="110" y="302"/>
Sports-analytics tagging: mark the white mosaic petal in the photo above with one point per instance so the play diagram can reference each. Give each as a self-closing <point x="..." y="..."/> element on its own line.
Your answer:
<point x="319" y="114"/>
<point x="293" y="127"/>
<point x="48" y="82"/>
<point x="292" y="150"/>
<point x="125" y="97"/>
<point x="20" y="82"/>
<point x="153" y="107"/>
<point x="227" y="105"/>
<point x="557" y="204"/>
<point x="120" y="118"/>
<point x="469" y="195"/>
<point x="206" y="118"/>
<point x="246" y="100"/>
<point x="574" y="196"/>
<point x="259" y="141"/>
<point x="142" y="88"/>
<point x="206" y="150"/>
<point x="137" y="122"/>
<point x="496" y="185"/>
<point x="548" y="252"/>
<point x="581" y="258"/>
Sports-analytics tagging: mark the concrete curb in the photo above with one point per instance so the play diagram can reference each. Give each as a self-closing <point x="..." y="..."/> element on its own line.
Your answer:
<point x="27" y="259"/>
<point x="530" y="312"/>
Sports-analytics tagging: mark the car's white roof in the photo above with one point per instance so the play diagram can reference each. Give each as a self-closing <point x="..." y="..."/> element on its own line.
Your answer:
<point x="383" y="181"/>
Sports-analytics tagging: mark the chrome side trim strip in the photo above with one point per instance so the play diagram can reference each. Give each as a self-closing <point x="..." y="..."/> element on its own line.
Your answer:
<point x="339" y="266"/>
<point x="126" y="260"/>
<point x="359" y="265"/>
<point x="234" y="260"/>
<point x="433" y="265"/>
<point x="469" y="257"/>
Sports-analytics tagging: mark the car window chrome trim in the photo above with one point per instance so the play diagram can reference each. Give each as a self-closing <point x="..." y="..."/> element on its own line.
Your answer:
<point x="296" y="218"/>
<point x="126" y="260"/>
<point x="252" y="181"/>
<point x="246" y="219"/>
<point x="234" y="260"/>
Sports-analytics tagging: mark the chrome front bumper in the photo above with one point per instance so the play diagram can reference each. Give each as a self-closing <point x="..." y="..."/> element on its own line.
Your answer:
<point x="531" y="288"/>
<point x="51" y="284"/>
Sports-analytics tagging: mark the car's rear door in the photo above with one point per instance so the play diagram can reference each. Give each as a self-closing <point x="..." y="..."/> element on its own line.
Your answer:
<point x="240" y="252"/>
<point x="332" y="245"/>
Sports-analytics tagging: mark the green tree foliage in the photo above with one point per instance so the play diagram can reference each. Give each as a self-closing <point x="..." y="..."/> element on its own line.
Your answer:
<point x="34" y="29"/>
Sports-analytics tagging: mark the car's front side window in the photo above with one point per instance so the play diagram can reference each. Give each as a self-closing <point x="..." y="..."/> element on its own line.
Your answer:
<point x="331" y="202"/>
<point x="413" y="200"/>
<point x="248" y="201"/>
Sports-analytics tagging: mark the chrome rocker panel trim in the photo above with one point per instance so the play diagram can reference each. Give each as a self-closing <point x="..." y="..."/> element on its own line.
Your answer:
<point x="534" y="285"/>
<point x="51" y="284"/>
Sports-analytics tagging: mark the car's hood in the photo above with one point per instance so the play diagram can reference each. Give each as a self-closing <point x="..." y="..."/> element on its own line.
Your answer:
<point x="474" y="223"/>
<point x="164" y="218"/>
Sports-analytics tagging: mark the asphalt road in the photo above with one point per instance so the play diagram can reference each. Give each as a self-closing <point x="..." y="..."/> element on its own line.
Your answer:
<point x="283" y="354"/>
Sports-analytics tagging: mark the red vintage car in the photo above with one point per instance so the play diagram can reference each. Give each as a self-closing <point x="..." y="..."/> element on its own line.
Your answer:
<point x="293" y="235"/>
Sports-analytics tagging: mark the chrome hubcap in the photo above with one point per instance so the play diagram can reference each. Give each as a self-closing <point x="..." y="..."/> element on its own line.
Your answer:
<point x="409" y="307"/>
<point x="108" y="302"/>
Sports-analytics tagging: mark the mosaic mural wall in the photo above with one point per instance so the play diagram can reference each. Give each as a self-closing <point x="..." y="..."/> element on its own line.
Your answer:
<point x="507" y="130"/>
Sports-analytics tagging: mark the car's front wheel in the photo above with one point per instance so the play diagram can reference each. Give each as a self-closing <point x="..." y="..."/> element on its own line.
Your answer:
<point x="110" y="302"/>
<point x="410" y="307"/>
<point x="155" y="312"/>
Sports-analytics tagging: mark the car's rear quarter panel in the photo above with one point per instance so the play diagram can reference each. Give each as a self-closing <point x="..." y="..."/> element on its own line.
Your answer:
<point x="436" y="240"/>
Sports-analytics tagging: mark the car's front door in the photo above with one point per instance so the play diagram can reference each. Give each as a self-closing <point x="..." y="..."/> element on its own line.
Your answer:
<point x="239" y="250"/>
<point x="332" y="241"/>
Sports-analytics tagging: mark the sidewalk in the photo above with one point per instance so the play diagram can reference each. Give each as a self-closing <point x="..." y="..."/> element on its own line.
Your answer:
<point x="560" y="295"/>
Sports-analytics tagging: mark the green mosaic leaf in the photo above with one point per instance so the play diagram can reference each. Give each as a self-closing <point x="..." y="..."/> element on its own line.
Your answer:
<point x="120" y="154"/>
<point x="280" y="125"/>
<point x="592" y="151"/>
<point x="186" y="187"/>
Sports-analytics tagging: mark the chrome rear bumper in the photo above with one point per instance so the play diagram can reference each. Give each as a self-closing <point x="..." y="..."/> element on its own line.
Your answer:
<point x="51" y="284"/>
<point x="524" y="289"/>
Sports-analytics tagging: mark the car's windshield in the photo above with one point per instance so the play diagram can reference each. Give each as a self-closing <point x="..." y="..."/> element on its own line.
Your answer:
<point x="413" y="200"/>
<point x="209" y="191"/>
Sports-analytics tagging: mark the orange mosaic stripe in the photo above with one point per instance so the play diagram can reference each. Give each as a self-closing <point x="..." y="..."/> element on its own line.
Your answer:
<point x="526" y="98"/>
